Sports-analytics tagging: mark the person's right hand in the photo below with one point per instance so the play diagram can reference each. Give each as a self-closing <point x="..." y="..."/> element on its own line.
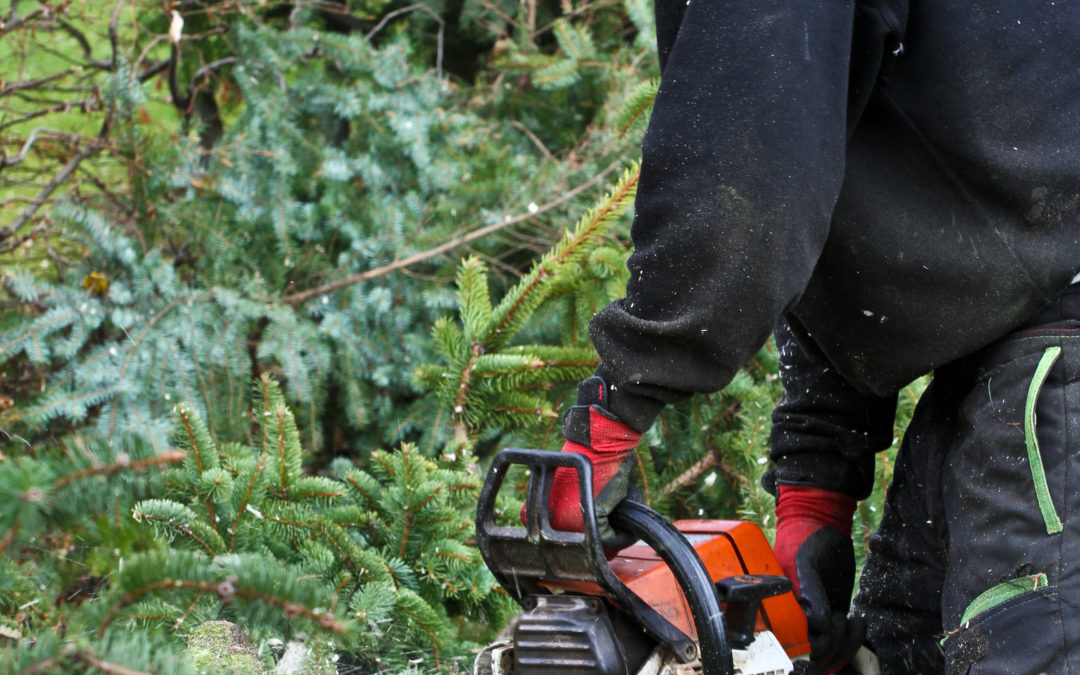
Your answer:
<point x="813" y="546"/>
<point x="608" y="443"/>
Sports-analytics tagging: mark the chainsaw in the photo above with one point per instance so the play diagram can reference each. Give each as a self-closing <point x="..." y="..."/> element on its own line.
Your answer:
<point x="690" y="597"/>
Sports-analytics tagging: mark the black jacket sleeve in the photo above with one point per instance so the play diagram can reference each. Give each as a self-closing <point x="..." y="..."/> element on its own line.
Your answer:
<point x="741" y="167"/>
<point x="824" y="432"/>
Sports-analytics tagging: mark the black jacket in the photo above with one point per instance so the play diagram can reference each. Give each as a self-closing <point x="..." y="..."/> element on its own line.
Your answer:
<point x="899" y="180"/>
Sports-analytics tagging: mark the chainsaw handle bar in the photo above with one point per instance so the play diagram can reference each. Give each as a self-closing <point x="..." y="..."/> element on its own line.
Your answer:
<point x="521" y="557"/>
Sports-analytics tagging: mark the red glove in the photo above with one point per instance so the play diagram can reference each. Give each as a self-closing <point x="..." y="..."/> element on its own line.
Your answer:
<point x="813" y="546"/>
<point x="608" y="443"/>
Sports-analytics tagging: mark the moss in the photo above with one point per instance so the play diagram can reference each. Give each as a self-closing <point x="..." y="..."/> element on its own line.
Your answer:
<point x="221" y="647"/>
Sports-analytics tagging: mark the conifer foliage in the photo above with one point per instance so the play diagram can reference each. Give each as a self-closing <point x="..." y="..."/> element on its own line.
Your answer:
<point x="261" y="238"/>
<point x="370" y="564"/>
<point x="489" y="382"/>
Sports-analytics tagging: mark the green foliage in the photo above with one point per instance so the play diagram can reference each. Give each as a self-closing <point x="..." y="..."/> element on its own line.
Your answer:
<point x="276" y="249"/>
<point x="634" y="111"/>
<point x="286" y="194"/>
<point x="374" y="560"/>
<point x="702" y="458"/>
<point x="488" y="382"/>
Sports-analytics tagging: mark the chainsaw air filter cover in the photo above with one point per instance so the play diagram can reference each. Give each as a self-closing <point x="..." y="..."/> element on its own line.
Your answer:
<point x="567" y="634"/>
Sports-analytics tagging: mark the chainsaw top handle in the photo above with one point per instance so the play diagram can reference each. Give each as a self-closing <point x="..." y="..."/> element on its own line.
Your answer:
<point x="520" y="557"/>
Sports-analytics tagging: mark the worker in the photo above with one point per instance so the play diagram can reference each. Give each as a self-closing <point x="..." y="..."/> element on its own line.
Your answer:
<point x="894" y="186"/>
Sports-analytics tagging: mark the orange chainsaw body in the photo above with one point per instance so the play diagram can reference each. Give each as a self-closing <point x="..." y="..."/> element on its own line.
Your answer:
<point x="728" y="548"/>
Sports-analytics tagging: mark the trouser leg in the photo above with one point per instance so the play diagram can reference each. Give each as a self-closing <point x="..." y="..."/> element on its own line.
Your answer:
<point x="900" y="588"/>
<point x="982" y="518"/>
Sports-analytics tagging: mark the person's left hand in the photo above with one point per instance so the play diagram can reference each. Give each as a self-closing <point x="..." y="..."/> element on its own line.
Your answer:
<point x="814" y="548"/>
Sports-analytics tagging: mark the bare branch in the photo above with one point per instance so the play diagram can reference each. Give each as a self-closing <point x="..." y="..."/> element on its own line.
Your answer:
<point x="153" y="70"/>
<point x="57" y="258"/>
<point x="418" y="7"/>
<point x="146" y="50"/>
<point x="33" y="84"/>
<point x="13" y="22"/>
<point x="11" y="12"/>
<point x="48" y="133"/>
<point x="114" y="35"/>
<point x="60" y="177"/>
<point x="211" y="67"/>
<point x="85" y="44"/>
<point x="462" y="240"/>
<point x="63" y="106"/>
<point x="13" y="243"/>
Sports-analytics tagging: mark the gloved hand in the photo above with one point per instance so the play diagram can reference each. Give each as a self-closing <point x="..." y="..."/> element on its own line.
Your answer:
<point x="608" y="443"/>
<point x="813" y="546"/>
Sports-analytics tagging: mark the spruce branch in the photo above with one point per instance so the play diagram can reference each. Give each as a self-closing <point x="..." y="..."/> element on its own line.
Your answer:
<point x="132" y="348"/>
<point x="197" y="440"/>
<point x="460" y="430"/>
<point x="526" y="295"/>
<point x="367" y="564"/>
<point x="637" y="105"/>
<point x="227" y="592"/>
<point x="484" y="381"/>
<point x="46" y="324"/>
<point x="173" y="517"/>
<point x="414" y="613"/>
<point x="245" y="500"/>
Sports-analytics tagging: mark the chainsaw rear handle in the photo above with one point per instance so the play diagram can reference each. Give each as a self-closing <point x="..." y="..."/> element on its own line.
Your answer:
<point x="521" y="557"/>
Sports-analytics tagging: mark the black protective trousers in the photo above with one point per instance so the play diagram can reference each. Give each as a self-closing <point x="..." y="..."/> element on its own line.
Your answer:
<point x="976" y="565"/>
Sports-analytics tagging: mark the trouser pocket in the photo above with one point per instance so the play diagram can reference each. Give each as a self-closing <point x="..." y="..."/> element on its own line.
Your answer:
<point x="1010" y="500"/>
<point x="1006" y="484"/>
<point x="1015" y="632"/>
